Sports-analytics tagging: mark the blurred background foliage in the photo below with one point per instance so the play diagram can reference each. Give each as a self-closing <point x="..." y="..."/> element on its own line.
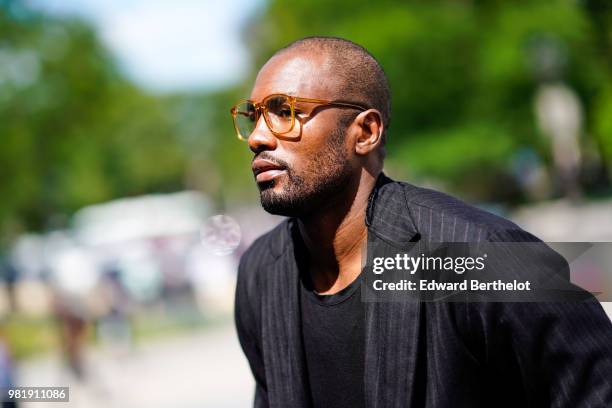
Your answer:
<point x="74" y="131"/>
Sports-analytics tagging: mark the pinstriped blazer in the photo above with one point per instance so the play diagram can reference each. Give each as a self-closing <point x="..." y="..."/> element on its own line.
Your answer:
<point x="427" y="354"/>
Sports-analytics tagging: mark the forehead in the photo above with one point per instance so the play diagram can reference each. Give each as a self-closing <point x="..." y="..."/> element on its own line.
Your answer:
<point x="306" y="75"/>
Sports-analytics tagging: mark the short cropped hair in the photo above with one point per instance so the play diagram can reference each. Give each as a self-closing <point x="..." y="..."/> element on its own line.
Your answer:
<point x="362" y="78"/>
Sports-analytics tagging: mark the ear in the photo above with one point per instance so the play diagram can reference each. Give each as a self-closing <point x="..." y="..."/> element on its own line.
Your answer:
<point x="369" y="131"/>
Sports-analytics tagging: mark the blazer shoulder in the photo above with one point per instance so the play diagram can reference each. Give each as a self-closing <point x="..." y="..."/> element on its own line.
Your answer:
<point x="426" y="205"/>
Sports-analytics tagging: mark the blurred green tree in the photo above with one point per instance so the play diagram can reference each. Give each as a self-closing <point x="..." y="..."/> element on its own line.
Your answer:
<point x="72" y="130"/>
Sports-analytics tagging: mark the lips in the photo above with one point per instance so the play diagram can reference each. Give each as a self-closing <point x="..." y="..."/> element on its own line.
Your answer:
<point x="266" y="170"/>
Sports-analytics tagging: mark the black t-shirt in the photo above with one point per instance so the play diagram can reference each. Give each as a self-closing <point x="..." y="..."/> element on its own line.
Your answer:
<point x="334" y="345"/>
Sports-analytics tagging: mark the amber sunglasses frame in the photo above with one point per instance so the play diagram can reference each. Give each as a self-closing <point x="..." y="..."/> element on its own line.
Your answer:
<point x="260" y="110"/>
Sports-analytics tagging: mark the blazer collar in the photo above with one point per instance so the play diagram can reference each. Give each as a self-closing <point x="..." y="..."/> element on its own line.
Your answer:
<point x="388" y="214"/>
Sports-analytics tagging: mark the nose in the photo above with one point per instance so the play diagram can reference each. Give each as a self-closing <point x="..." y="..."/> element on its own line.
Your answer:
<point x="262" y="138"/>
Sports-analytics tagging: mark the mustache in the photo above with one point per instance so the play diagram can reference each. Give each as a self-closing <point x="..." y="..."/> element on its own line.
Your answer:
<point x="267" y="156"/>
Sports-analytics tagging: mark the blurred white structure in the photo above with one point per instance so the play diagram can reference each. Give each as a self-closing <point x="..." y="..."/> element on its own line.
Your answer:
<point x="559" y="115"/>
<point x="150" y="216"/>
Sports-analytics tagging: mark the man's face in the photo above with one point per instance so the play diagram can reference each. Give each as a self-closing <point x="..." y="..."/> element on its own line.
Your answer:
<point x="300" y="173"/>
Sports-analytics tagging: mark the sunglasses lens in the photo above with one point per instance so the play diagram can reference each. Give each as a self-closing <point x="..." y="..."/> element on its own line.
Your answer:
<point x="279" y="113"/>
<point x="246" y="119"/>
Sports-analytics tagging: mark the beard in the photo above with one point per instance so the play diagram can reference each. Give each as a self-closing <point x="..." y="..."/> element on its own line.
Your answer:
<point x="325" y="175"/>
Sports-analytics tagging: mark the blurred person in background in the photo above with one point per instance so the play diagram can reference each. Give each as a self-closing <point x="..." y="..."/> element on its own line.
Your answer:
<point x="115" y="326"/>
<point x="73" y="334"/>
<point x="8" y="274"/>
<point x="316" y="122"/>
<point x="6" y="370"/>
<point x="74" y="277"/>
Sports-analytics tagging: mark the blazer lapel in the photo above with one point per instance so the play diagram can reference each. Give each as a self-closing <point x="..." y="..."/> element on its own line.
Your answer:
<point x="392" y="327"/>
<point x="286" y="375"/>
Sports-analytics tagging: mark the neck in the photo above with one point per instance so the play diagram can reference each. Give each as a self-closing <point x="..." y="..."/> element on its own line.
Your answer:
<point x="334" y="236"/>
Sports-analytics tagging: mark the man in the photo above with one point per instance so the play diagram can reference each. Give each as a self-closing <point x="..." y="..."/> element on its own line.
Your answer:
<point x="316" y="122"/>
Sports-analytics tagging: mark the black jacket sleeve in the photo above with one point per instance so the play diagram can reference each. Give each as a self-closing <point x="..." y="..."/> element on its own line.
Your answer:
<point x="563" y="349"/>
